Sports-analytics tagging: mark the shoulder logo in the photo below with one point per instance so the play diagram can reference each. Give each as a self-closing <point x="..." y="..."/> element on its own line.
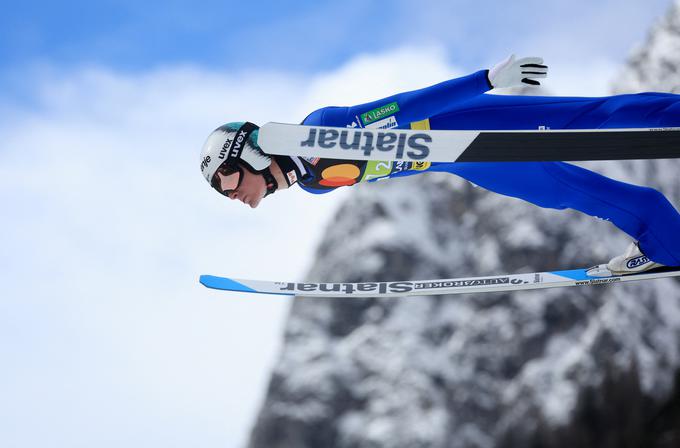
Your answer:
<point x="379" y="113"/>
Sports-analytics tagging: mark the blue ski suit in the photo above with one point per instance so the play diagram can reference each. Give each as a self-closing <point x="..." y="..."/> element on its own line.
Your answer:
<point x="642" y="212"/>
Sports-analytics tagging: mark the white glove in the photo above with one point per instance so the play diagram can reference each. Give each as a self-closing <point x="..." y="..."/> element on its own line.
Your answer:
<point x="511" y="72"/>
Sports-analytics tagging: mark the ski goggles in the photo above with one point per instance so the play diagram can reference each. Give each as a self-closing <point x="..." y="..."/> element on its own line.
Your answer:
<point x="227" y="178"/>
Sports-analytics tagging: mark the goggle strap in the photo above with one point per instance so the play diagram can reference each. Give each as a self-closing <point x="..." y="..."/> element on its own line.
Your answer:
<point x="242" y="136"/>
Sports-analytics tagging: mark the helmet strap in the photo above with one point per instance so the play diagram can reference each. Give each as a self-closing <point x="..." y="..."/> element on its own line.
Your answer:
<point x="270" y="181"/>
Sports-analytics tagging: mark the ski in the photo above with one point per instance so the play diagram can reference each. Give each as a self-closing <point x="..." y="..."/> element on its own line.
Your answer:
<point x="496" y="283"/>
<point x="469" y="146"/>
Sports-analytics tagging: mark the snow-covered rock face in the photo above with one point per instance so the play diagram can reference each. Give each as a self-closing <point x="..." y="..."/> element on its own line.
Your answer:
<point x="482" y="370"/>
<point x="655" y="66"/>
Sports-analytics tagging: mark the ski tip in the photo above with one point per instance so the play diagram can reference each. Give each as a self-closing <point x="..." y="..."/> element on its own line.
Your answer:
<point x="226" y="284"/>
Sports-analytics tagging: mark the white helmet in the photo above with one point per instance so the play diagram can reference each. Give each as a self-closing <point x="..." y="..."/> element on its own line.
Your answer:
<point x="231" y="146"/>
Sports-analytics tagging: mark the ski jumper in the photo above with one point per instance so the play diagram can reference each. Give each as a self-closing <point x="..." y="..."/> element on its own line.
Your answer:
<point x="642" y="212"/>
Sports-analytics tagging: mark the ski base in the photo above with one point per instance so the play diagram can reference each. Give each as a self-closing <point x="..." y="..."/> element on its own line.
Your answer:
<point x="499" y="283"/>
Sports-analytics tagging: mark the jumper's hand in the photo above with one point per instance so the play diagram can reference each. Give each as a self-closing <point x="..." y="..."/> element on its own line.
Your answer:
<point x="511" y="72"/>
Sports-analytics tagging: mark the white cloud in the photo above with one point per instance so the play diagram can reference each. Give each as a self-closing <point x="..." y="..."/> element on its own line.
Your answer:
<point x="372" y="76"/>
<point x="589" y="77"/>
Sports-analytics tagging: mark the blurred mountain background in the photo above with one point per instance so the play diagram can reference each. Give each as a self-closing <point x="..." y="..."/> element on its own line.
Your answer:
<point x="586" y="367"/>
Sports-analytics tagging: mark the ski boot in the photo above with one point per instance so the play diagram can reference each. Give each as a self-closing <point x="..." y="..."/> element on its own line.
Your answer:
<point x="632" y="261"/>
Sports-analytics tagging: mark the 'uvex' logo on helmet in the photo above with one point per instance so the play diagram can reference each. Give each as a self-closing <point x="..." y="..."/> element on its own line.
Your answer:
<point x="368" y="141"/>
<point x="238" y="144"/>
<point x="225" y="148"/>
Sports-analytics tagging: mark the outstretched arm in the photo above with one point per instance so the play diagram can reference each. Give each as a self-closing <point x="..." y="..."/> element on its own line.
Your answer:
<point x="419" y="104"/>
<point x="407" y="107"/>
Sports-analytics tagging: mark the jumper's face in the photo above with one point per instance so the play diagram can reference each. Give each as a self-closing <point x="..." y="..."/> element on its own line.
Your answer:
<point x="244" y="186"/>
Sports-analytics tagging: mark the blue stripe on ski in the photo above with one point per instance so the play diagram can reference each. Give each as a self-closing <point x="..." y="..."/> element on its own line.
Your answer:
<point x="574" y="274"/>
<point x="224" y="283"/>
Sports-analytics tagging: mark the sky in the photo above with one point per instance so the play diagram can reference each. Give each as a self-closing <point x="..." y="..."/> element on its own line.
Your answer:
<point x="106" y="337"/>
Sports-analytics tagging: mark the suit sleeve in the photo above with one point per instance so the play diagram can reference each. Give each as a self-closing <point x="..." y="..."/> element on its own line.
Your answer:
<point x="412" y="106"/>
